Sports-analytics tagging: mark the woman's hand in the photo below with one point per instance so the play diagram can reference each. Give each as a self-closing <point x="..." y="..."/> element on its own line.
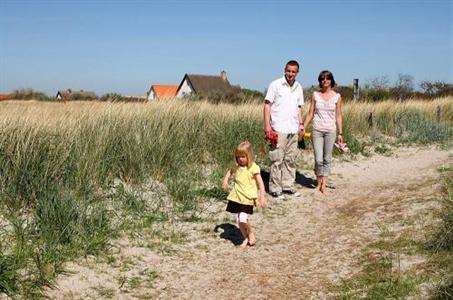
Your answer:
<point x="301" y="128"/>
<point x="340" y="139"/>
<point x="262" y="202"/>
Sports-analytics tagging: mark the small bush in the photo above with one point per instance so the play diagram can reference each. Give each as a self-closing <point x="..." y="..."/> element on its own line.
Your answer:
<point x="252" y="93"/>
<point x="29" y="94"/>
<point x="115" y="97"/>
<point x="437" y="88"/>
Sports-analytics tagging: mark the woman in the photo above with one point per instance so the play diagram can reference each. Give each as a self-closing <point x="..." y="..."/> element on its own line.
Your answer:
<point x="325" y="111"/>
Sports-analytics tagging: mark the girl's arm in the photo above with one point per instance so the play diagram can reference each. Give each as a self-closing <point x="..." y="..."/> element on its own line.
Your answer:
<point x="225" y="185"/>
<point x="339" y="119"/>
<point x="311" y="112"/>
<point x="262" y="198"/>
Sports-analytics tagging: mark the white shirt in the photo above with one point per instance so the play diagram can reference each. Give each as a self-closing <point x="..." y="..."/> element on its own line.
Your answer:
<point x="285" y="100"/>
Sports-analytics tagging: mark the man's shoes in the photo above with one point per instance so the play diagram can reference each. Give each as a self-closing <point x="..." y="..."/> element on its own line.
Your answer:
<point x="292" y="192"/>
<point x="278" y="195"/>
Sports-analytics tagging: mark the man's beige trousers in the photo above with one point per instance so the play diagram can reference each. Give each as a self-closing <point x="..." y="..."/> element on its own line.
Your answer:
<point x="283" y="167"/>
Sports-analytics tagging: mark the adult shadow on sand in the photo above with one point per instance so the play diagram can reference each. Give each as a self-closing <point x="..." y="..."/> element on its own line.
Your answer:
<point x="230" y="232"/>
<point x="305" y="181"/>
<point x="300" y="179"/>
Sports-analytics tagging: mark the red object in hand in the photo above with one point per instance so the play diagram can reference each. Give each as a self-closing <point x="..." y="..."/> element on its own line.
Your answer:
<point x="272" y="137"/>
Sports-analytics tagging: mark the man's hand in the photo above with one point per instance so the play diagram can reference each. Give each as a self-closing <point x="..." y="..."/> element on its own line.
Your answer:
<point x="268" y="131"/>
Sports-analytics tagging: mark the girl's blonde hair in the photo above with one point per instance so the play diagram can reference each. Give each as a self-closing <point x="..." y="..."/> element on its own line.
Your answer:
<point x="244" y="148"/>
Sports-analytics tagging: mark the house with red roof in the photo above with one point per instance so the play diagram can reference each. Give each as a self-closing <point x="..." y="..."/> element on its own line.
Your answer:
<point x="6" y="96"/>
<point x="159" y="91"/>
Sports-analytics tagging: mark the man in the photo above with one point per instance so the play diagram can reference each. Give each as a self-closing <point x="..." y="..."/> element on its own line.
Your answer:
<point x="283" y="107"/>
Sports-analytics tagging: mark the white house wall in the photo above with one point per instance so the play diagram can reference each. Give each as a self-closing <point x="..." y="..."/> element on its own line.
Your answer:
<point x="151" y="95"/>
<point x="185" y="89"/>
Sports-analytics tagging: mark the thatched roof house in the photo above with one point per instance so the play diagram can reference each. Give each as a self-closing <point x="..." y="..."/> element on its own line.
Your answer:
<point x="206" y="85"/>
<point x="75" y="95"/>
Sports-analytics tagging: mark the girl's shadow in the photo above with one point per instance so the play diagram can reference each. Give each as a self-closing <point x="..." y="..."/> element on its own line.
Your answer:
<point x="231" y="233"/>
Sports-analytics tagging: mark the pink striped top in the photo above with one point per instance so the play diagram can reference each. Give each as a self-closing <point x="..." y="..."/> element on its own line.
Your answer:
<point x="324" y="114"/>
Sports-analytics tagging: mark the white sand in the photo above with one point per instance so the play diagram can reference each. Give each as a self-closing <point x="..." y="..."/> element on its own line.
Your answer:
<point x="303" y="244"/>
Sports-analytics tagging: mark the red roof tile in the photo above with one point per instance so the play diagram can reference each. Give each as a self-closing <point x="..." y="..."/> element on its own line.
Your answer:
<point x="164" y="91"/>
<point x="6" y="96"/>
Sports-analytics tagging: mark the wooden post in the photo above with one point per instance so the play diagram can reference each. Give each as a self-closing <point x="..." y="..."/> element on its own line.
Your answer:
<point x="355" y="83"/>
<point x="438" y="113"/>
<point x="370" y="119"/>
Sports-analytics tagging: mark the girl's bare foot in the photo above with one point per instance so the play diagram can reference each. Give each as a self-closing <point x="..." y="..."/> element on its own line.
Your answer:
<point x="244" y="243"/>
<point x="252" y="240"/>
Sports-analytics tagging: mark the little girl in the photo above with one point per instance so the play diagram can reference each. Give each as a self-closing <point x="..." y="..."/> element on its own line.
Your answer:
<point x="243" y="196"/>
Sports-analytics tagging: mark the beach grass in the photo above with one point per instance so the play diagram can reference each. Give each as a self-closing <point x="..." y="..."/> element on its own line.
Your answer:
<point x="75" y="175"/>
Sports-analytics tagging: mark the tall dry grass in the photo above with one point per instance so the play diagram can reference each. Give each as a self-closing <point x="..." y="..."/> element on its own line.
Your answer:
<point x="414" y="121"/>
<point x="59" y="162"/>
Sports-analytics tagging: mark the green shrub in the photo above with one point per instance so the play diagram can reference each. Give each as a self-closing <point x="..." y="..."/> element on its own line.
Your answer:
<point x="29" y="94"/>
<point x="8" y="274"/>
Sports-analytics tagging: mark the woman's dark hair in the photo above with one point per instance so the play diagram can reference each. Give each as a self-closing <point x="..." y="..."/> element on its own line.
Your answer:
<point x="328" y="75"/>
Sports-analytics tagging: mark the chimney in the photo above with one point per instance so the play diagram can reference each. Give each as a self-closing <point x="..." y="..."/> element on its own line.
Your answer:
<point x="223" y="75"/>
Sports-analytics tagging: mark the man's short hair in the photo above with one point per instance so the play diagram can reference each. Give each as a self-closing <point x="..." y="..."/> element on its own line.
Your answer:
<point x="292" y="63"/>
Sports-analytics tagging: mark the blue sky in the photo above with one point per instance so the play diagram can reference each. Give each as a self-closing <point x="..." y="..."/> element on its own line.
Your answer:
<point x="125" y="46"/>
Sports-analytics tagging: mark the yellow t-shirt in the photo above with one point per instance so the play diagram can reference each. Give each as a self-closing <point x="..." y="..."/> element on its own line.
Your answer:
<point x="245" y="188"/>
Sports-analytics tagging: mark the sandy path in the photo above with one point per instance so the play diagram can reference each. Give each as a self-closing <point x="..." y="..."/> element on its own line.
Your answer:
<point x="304" y="244"/>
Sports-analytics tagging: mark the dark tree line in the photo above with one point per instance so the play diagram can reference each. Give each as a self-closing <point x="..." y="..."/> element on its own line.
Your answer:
<point x="375" y="89"/>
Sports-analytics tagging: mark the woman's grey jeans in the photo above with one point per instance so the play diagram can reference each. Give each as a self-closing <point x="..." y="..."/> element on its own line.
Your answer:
<point x="322" y="147"/>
